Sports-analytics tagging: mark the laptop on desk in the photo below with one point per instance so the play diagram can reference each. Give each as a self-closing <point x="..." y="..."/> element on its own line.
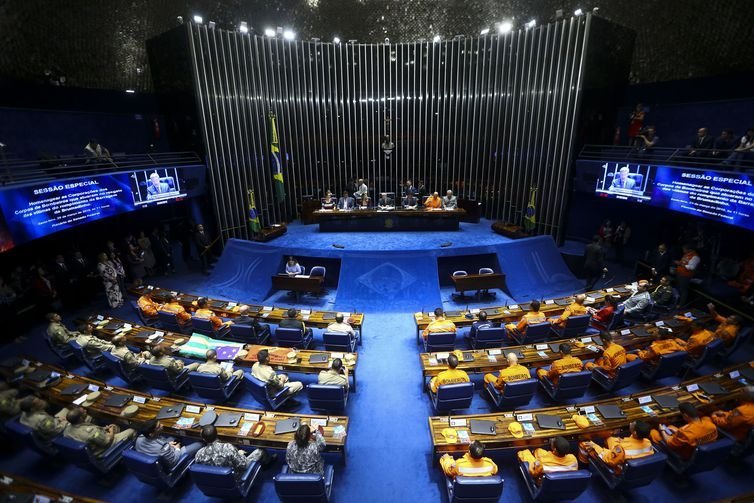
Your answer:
<point x="319" y="358"/>
<point x="547" y="421"/>
<point x="118" y="401"/>
<point x="748" y="373"/>
<point x="73" y="389"/>
<point x="482" y="427"/>
<point x="610" y="411"/>
<point x="287" y="425"/>
<point x="666" y="401"/>
<point x="228" y="419"/>
<point x="564" y="302"/>
<point x="114" y="325"/>
<point x="170" y="411"/>
<point x="218" y="304"/>
<point x="525" y="307"/>
<point x="713" y="388"/>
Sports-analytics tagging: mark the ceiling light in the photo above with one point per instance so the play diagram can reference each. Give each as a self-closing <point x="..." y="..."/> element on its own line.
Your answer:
<point x="130" y="91"/>
<point x="436" y="38"/>
<point x="269" y="32"/>
<point x="211" y="25"/>
<point x="243" y="27"/>
<point x="485" y="31"/>
<point x="289" y="35"/>
<point x="532" y="23"/>
<point x="336" y="40"/>
<point x="578" y="12"/>
<point x="198" y="19"/>
<point x="505" y="27"/>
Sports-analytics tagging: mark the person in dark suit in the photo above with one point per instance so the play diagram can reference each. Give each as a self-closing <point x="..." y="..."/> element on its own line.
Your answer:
<point x="290" y="321"/>
<point x="203" y="244"/>
<point x="157" y="187"/>
<point x="385" y="201"/>
<point x="410" y="189"/>
<point x="410" y="201"/>
<point x="659" y="260"/>
<point x="702" y="145"/>
<point x="345" y="202"/>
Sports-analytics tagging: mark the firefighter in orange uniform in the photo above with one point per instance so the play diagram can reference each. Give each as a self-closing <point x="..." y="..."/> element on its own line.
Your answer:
<point x="613" y="356"/>
<point x="175" y="307"/>
<point x="557" y="459"/>
<point x="472" y="464"/>
<point x="532" y="317"/>
<point x="575" y="308"/>
<point x="698" y="340"/>
<point x="513" y="372"/>
<point x="618" y="450"/>
<point x="439" y="324"/>
<point x="449" y="376"/>
<point x="682" y="441"/>
<point x="739" y="421"/>
<point x="562" y="366"/>
<point x="206" y="313"/>
<point x="728" y="328"/>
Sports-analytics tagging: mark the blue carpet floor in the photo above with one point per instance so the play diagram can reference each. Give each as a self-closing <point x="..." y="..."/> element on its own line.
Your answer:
<point x="388" y="446"/>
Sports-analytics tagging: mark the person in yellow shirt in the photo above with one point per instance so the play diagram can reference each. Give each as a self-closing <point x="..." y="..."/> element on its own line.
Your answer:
<point x="175" y="307"/>
<point x="613" y="356"/>
<point x="472" y="464"/>
<point x="439" y="324"/>
<point x="739" y="421"/>
<point x="665" y="345"/>
<point x="728" y="328"/>
<point x="562" y="366"/>
<point x="698" y="340"/>
<point x="433" y="201"/>
<point x="513" y="372"/>
<point x="684" y="440"/>
<point x="530" y="318"/>
<point x="147" y="306"/>
<point x="557" y="459"/>
<point x="618" y="450"/>
<point x="450" y="376"/>
<point x="575" y="308"/>
<point x="206" y="313"/>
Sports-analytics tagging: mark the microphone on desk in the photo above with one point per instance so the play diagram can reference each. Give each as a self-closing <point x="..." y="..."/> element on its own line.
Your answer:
<point x="337" y="245"/>
<point x="446" y="244"/>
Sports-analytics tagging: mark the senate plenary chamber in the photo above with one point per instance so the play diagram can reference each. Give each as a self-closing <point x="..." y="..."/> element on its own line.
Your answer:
<point x="462" y="251"/>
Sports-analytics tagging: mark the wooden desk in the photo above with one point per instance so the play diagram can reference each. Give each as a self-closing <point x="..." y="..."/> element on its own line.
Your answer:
<point x="265" y="314"/>
<point x="635" y="337"/>
<point x="472" y="282"/>
<point x="14" y="485"/>
<point x="399" y="219"/>
<point x="136" y="337"/>
<point x="514" y="312"/>
<point x="152" y="406"/>
<point x="299" y="284"/>
<point x="628" y="404"/>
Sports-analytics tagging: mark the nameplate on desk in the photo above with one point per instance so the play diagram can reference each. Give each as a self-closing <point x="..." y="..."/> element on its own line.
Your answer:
<point x="432" y="362"/>
<point x="100" y="317"/>
<point x="659" y="323"/>
<point x="524" y="417"/>
<point x="159" y="333"/>
<point x="589" y="300"/>
<point x="493" y="352"/>
<point x="306" y="311"/>
<point x="93" y="387"/>
<point x="340" y="355"/>
<point x="734" y="374"/>
<point x="457" y="422"/>
<point x="193" y="409"/>
<point x="549" y="302"/>
<point x="540" y="347"/>
<point x="475" y="311"/>
<point x="440" y="356"/>
<point x="589" y="409"/>
<point x="316" y="423"/>
<point x="266" y="308"/>
<point x="109" y="388"/>
<point x="231" y="305"/>
<point x="140" y="399"/>
<point x="609" y="290"/>
<point x="150" y="287"/>
<point x="644" y="399"/>
<point x="346" y="315"/>
<point x="514" y="306"/>
<point x="586" y="340"/>
<point x="175" y="293"/>
<point x="625" y="332"/>
<point x="689" y="315"/>
<point x="248" y="416"/>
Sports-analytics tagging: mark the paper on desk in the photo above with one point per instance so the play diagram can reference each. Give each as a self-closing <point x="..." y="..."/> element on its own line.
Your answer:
<point x="316" y="422"/>
<point x="542" y="354"/>
<point x="492" y="358"/>
<point x="80" y="400"/>
<point x="513" y="306"/>
<point x="463" y="437"/>
<point x="433" y="362"/>
<point x="231" y="305"/>
<point x="246" y="428"/>
<point x="266" y="308"/>
<point x="548" y="302"/>
<point x="305" y="317"/>
<point x="184" y="422"/>
<point x="306" y="311"/>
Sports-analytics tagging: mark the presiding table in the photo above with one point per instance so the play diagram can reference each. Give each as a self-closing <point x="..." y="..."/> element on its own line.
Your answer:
<point x="299" y="284"/>
<point x="399" y="219"/>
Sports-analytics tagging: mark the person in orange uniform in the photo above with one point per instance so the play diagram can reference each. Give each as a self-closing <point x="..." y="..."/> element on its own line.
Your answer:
<point x="682" y="441"/>
<point x="613" y="356"/>
<point x="575" y="308"/>
<point x="173" y="306"/>
<point x="728" y="328"/>
<point x="433" y="201"/>
<point x="685" y="269"/>
<point x="147" y="306"/>
<point x="739" y="421"/>
<point x="472" y="464"/>
<point x="698" y="340"/>
<point x="530" y="318"/>
<point x="513" y="372"/>
<point x="439" y="324"/>
<point x="557" y="459"/>
<point x="665" y="345"/>
<point x="206" y="313"/>
<point x="450" y="376"/>
<point x="602" y="318"/>
<point x="562" y="366"/>
<point x="618" y="450"/>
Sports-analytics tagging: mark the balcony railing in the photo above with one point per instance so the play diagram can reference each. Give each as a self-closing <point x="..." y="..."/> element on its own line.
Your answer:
<point x="668" y="156"/>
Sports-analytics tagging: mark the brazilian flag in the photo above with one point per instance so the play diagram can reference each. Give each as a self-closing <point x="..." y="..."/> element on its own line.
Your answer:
<point x="254" y="224"/>
<point x="530" y="217"/>
<point x="277" y="166"/>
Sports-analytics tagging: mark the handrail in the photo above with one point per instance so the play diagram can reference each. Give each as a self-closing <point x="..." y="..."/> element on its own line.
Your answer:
<point x="674" y="156"/>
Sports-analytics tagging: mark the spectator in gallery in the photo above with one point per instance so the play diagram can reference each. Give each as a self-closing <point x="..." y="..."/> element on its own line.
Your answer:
<point x="606" y="232"/>
<point x="135" y="259"/>
<point x="621" y="239"/>
<point x="204" y="247"/>
<point x="636" y="123"/>
<point x="701" y="145"/>
<point x="146" y="246"/>
<point x="120" y="271"/>
<point x="659" y="260"/>
<point x="345" y="202"/>
<point x="96" y="152"/>
<point x="163" y="250"/>
<point x="744" y="149"/>
<point x="109" y="276"/>
<point x="724" y="144"/>
<point x="594" y="261"/>
<point x="647" y="140"/>
<point x="44" y="288"/>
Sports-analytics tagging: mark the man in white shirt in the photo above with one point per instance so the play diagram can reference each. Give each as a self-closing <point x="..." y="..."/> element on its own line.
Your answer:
<point x="639" y="301"/>
<point x="340" y="326"/>
<point x="362" y="190"/>
<point x="449" y="202"/>
<point x="337" y="374"/>
<point x="262" y="371"/>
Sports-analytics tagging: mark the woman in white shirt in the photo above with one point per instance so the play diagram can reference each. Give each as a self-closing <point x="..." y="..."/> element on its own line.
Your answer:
<point x="293" y="268"/>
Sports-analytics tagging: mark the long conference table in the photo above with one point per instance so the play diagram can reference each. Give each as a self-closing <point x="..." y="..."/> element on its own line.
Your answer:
<point x="137" y="335"/>
<point x="335" y="427"/>
<point x="399" y="219"/>
<point x="513" y="312"/>
<point x="542" y="354"/>
<point x="15" y="488"/>
<point x="265" y="314"/>
<point x="639" y="406"/>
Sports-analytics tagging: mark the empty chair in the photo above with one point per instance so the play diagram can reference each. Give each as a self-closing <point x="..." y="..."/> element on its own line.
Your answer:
<point x="304" y="487"/>
<point x="29" y="439"/>
<point x="212" y="386"/>
<point x="94" y="363"/>
<point x="693" y="364"/>
<point x="515" y="394"/>
<point x="617" y="321"/>
<point x="486" y="292"/>
<point x="439" y="341"/>
<point x="741" y="339"/>
<point x="337" y="341"/>
<point x="635" y="473"/>
<point x="451" y="397"/>
<point x="204" y="326"/>
<point x="460" y="295"/>
<point x="220" y="482"/>
<point x="327" y="397"/>
<point x="169" y="321"/>
<point x="115" y="364"/>
<point x="159" y="377"/>
<point x="148" y="321"/>
<point x="78" y="453"/>
<point x="556" y="486"/>
<point x="626" y="375"/>
<point x="667" y="366"/>
<point x="574" y="325"/>
<point x="318" y="271"/>
<point x="474" y="489"/>
<point x="536" y="332"/>
<point x="569" y="386"/>
<point x="744" y="448"/>
<point x="294" y="338"/>
<point x="264" y="394"/>
<point x="150" y="470"/>
<point x="248" y="334"/>
<point x="490" y="337"/>
<point x="705" y="457"/>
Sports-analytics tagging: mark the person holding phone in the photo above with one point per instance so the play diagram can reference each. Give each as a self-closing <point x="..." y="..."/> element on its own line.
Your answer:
<point x="337" y="374"/>
<point x="304" y="453"/>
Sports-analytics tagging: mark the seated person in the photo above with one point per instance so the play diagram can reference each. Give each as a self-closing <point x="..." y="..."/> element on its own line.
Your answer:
<point x="223" y="454"/>
<point x="565" y="365"/>
<point x="130" y="359"/>
<point x="575" y="308"/>
<point x="439" y="324"/>
<point x="665" y="345"/>
<point x="739" y="421"/>
<point x="601" y="318"/>
<point x="98" y="438"/>
<point x="304" y="453"/>
<point x="329" y="202"/>
<point x="157" y="187"/>
<point x="682" y="441"/>
<point x="206" y="313"/>
<point x="339" y="326"/>
<point x="449" y="376"/>
<point x="160" y="358"/>
<point x="175" y="307"/>
<point x="363" y="201"/>
<point x="34" y="415"/>
<point x="728" y="328"/>
<point x="58" y="332"/>
<point x="385" y="202"/>
<point x="613" y="356"/>
<point x="169" y="450"/>
<point x="92" y="344"/>
<point x="449" y="202"/>
<point x="410" y="201"/>
<point x="291" y="321"/>
<point x="513" y="372"/>
<point x="532" y="317"/>
<point x="264" y="372"/>
<point x="618" y="450"/>
<point x="622" y="181"/>
<point x="662" y="294"/>
<point x="337" y="374"/>
<point x="292" y="267"/>
<point x="481" y="323"/>
<point x="698" y="340"/>
<point x="147" y="306"/>
<point x="639" y="302"/>
<point x="472" y="464"/>
<point x="434" y="201"/>
<point x="10" y="406"/>
<point x="346" y="202"/>
<point x="557" y="459"/>
<point x="213" y="367"/>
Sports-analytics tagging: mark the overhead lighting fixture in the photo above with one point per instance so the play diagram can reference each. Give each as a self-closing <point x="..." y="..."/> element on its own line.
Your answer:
<point x="336" y="40"/>
<point x="243" y="27"/>
<point x="484" y="31"/>
<point x="130" y="91"/>
<point x="578" y="12"/>
<point x="505" y="27"/>
<point x="532" y="23"/>
<point x="436" y="38"/>
<point x="269" y="32"/>
<point x="211" y="25"/>
<point x="179" y="19"/>
<point x="198" y="19"/>
<point x="289" y="35"/>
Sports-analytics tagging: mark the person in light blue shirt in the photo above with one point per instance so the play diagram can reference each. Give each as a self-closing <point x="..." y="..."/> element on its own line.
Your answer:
<point x="167" y="449"/>
<point x="292" y="267"/>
